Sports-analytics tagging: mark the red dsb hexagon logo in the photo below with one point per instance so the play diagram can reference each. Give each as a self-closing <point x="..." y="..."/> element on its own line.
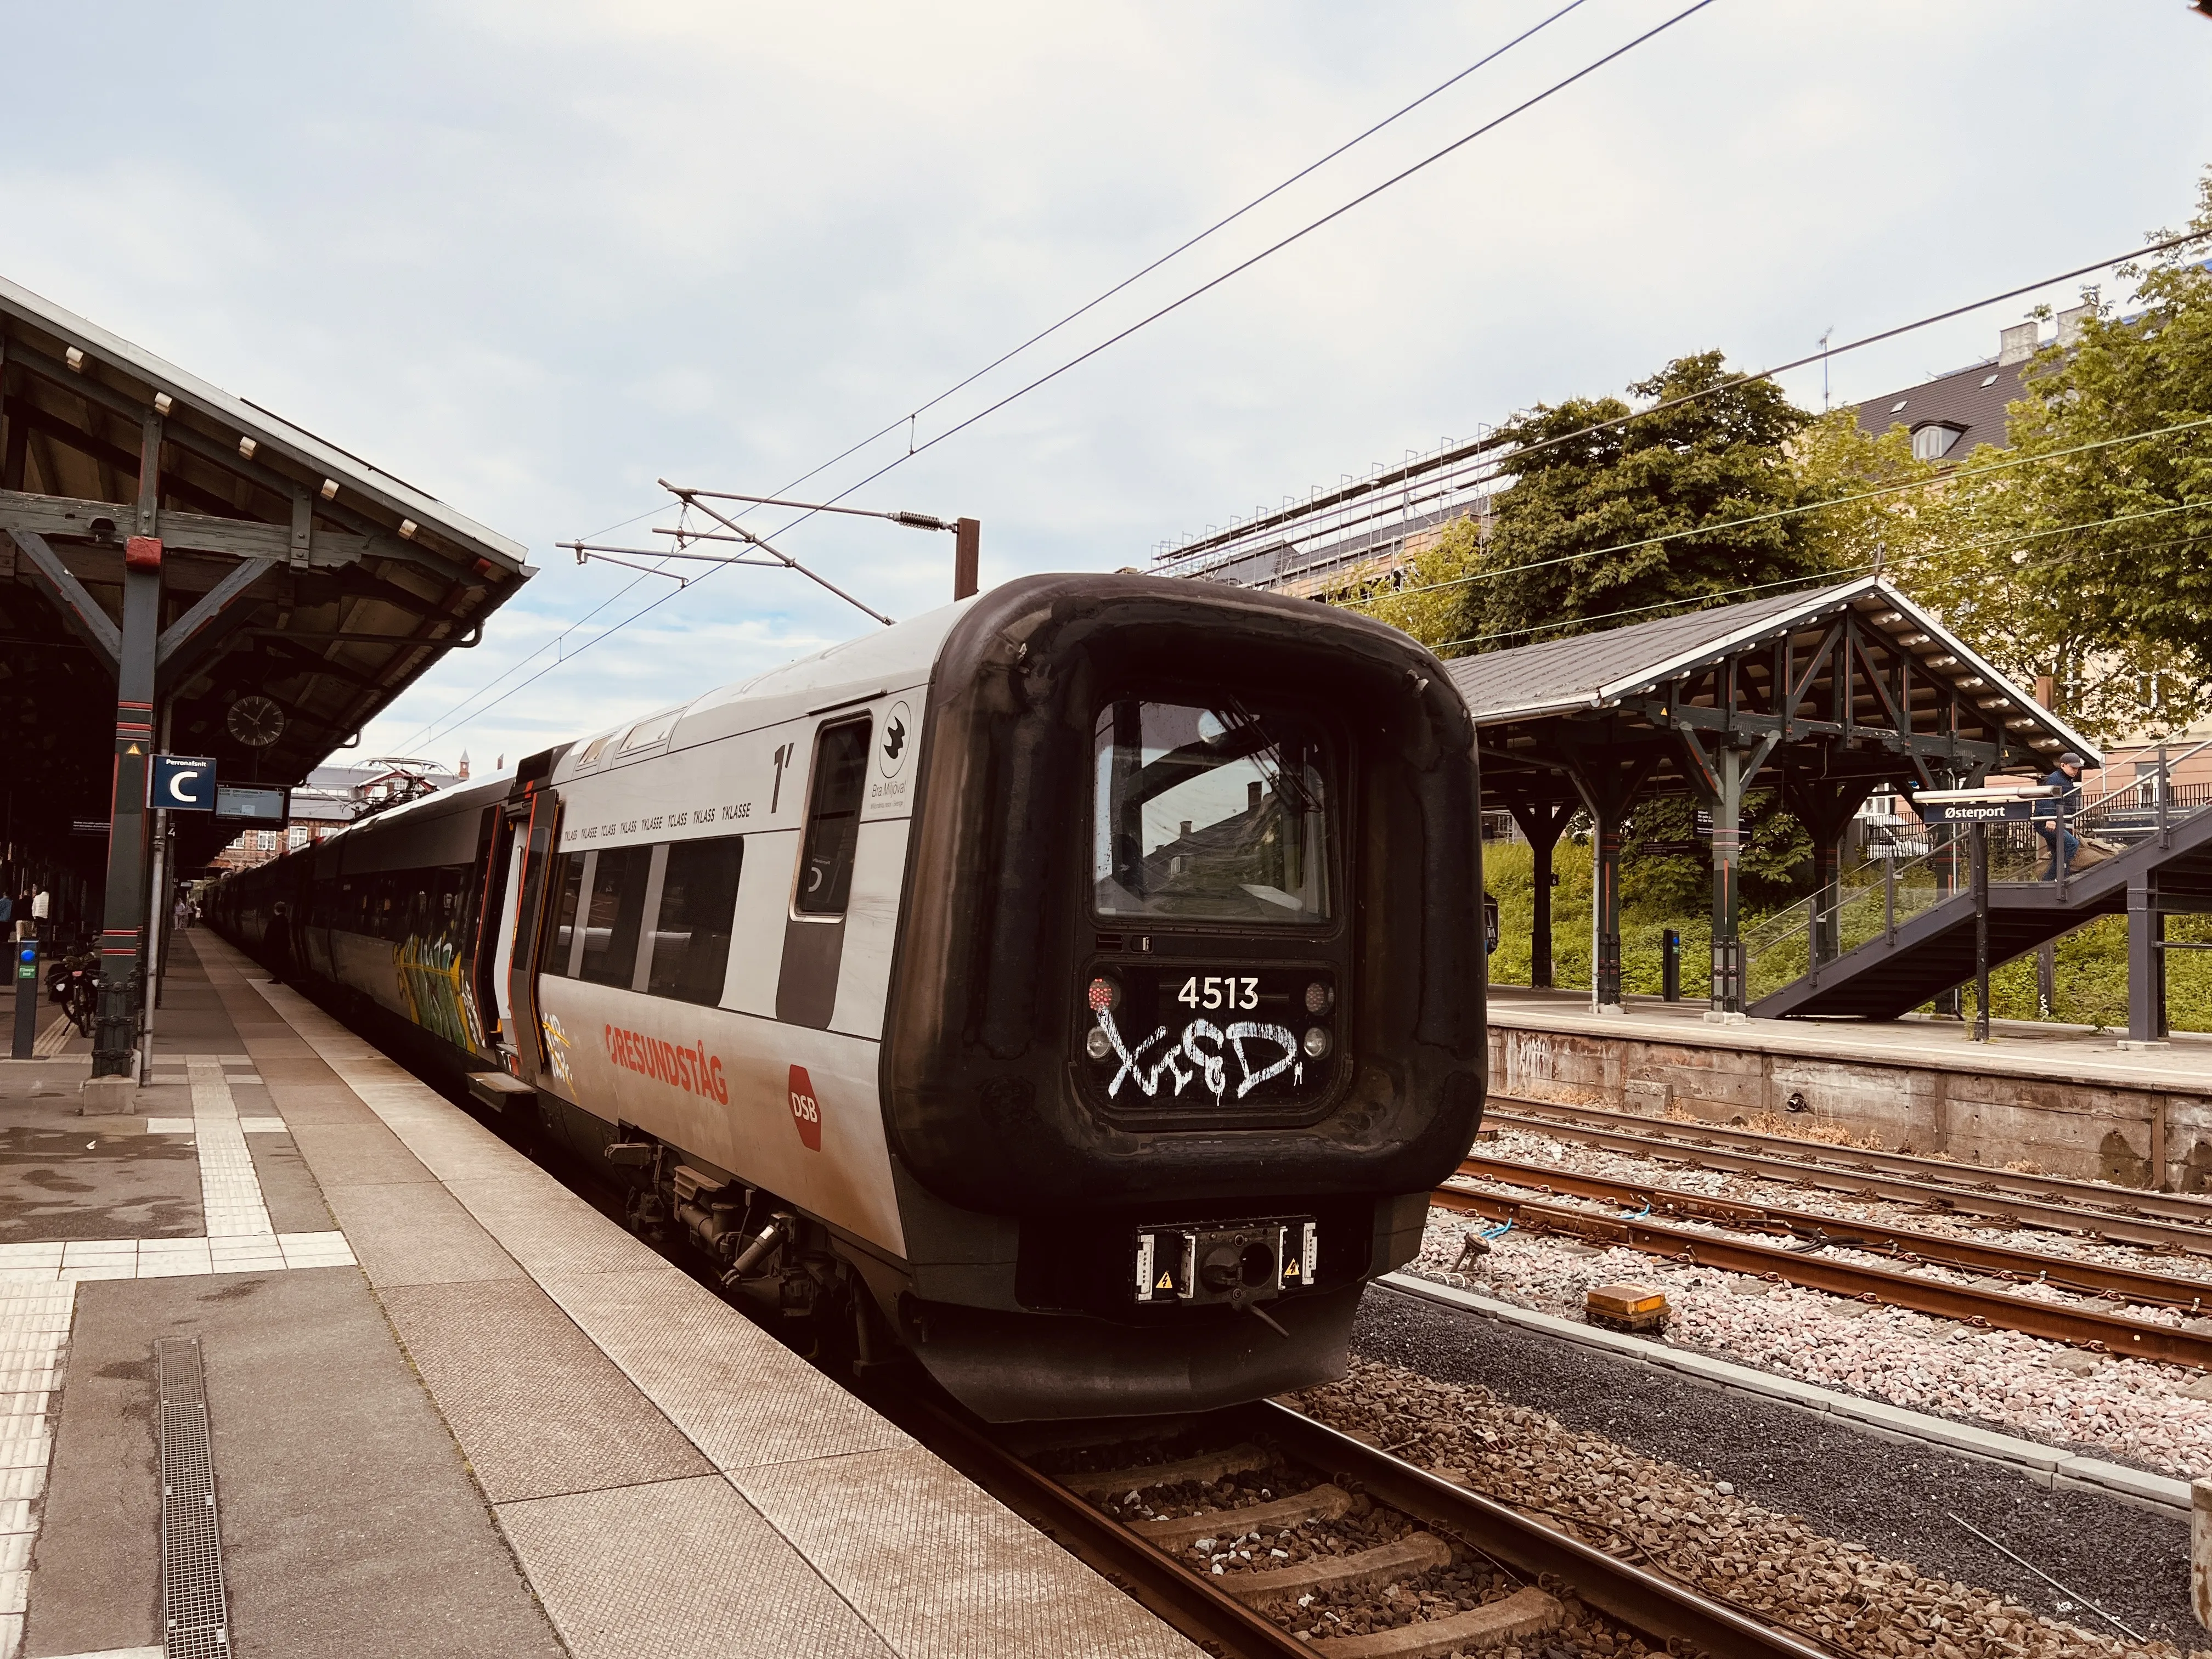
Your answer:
<point x="805" y="1109"/>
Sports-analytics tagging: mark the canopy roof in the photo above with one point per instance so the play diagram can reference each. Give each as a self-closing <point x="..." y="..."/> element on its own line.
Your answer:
<point x="291" y="569"/>
<point x="1848" y="681"/>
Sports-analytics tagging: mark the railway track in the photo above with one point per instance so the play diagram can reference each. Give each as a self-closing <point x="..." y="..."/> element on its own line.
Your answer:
<point x="1813" y="1232"/>
<point x="2175" y="1223"/>
<point x="2108" y="1332"/>
<point x="1527" y="1574"/>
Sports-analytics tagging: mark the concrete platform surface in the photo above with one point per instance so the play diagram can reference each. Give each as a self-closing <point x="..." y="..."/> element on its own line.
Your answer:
<point x="2025" y="1048"/>
<point x="454" y="1409"/>
<point x="2062" y="1099"/>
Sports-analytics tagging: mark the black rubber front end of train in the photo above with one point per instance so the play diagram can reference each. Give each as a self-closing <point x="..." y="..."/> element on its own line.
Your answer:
<point x="1020" y="1368"/>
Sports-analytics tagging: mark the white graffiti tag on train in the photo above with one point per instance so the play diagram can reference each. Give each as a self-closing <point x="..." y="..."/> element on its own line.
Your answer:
<point x="1200" y="1054"/>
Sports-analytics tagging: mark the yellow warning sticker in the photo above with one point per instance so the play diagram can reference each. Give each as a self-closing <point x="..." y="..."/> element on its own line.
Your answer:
<point x="1290" y="1270"/>
<point x="1167" y="1283"/>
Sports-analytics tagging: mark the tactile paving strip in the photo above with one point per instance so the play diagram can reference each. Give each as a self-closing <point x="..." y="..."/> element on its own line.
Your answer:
<point x="230" y="1192"/>
<point x="195" y="1621"/>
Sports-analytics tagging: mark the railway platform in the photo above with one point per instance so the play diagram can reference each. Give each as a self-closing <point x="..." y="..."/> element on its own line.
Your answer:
<point x="449" y="1407"/>
<point x="2069" y="1100"/>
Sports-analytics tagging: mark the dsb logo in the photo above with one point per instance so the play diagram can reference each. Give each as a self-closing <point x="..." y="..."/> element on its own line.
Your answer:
<point x="806" y="1110"/>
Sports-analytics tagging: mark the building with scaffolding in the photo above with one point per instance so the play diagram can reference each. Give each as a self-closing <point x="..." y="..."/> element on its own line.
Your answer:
<point x="1359" y="535"/>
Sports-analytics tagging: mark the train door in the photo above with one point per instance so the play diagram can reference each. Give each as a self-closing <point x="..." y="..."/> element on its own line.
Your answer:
<point x="814" y="933"/>
<point x="536" y="821"/>
<point x="486" y="998"/>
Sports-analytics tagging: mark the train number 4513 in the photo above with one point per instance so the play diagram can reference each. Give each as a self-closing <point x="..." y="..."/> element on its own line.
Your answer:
<point x="1219" y="991"/>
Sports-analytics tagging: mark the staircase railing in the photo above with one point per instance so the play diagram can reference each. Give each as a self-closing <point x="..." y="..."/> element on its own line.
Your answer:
<point x="1882" y="894"/>
<point x="1868" y="899"/>
<point x="2143" y="793"/>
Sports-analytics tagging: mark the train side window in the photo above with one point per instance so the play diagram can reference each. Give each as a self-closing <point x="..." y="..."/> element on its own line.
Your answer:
<point x="560" y="954"/>
<point x="613" y="913"/>
<point x="692" y="934"/>
<point x="833" y="819"/>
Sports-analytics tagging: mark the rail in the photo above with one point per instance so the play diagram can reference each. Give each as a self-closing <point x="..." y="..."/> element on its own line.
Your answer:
<point x="1873" y="899"/>
<point x="2136" y="786"/>
<point x="1815" y="1230"/>
<point x="2114" y="1333"/>
<point x="1786" y="1154"/>
<point x="1667" y="1612"/>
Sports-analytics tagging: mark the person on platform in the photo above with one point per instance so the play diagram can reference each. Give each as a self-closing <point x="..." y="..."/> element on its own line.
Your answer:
<point x="2066" y="779"/>
<point x="278" y="948"/>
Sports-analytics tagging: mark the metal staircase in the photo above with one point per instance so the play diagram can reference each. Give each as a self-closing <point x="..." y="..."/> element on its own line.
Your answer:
<point x="1893" y="942"/>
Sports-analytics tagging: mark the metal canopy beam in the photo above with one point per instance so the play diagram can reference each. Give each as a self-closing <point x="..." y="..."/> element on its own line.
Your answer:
<point x="193" y="638"/>
<point x="79" y="608"/>
<point x="184" y="532"/>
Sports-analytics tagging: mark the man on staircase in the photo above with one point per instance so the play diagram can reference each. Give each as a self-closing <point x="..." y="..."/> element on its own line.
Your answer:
<point x="2066" y="779"/>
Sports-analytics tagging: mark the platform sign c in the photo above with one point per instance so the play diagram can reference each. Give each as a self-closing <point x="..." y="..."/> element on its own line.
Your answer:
<point x="182" y="783"/>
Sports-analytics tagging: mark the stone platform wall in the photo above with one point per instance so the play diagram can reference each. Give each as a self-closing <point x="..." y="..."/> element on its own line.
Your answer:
<point x="2078" y="1128"/>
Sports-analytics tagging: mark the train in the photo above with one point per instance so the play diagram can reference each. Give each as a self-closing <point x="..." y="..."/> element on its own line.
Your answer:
<point x="1079" y="988"/>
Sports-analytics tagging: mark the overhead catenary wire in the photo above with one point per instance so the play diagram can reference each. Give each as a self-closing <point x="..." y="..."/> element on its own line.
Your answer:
<point x="445" y="726"/>
<point x="1299" y="235"/>
<point x="1185" y="246"/>
<point x="1042" y="334"/>
<point x="1502" y="466"/>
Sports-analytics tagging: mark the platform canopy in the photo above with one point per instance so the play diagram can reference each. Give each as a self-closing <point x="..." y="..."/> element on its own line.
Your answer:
<point x="182" y="572"/>
<point x="1829" y="693"/>
<point x="291" y="573"/>
<point x="1854" y="680"/>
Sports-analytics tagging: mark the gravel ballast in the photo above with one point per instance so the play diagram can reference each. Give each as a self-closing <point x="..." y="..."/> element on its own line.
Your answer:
<point x="1544" y="1416"/>
<point x="2137" y="1411"/>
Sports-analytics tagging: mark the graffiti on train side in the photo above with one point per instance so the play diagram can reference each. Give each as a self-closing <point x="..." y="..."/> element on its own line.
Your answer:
<point x="1201" y="1055"/>
<point x="431" y="988"/>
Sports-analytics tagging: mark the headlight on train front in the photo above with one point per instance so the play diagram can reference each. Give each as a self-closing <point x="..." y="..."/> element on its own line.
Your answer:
<point x="1095" y="1045"/>
<point x="1316" y="1043"/>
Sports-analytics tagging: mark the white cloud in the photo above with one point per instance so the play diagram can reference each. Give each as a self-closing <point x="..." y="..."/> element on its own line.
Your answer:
<point x="534" y="256"/>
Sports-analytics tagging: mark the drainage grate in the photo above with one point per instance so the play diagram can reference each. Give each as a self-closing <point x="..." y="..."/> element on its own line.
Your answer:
<point x="196" y="1620"/>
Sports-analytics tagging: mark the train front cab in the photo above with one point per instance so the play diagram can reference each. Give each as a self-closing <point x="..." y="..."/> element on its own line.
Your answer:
<point x="1187" y="1013"/>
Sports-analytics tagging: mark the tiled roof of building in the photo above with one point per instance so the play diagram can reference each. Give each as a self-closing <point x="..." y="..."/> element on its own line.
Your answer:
<point x="1971" y="402"/>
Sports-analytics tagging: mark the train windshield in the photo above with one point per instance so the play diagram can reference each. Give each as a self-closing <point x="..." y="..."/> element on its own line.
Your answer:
<point x="1210" y="815"/>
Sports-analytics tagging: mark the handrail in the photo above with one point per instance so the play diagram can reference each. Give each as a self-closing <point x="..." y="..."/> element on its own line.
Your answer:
<point x="2165" y="775"/>
<point x="1768" y="933"/>
<point x="1786" y="927"/>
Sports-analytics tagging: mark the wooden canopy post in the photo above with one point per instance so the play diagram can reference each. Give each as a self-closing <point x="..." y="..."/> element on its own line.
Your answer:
<point x="1719" y="778"/>
<point x="1608" y="777"/>
<point x="1541" y="823"/>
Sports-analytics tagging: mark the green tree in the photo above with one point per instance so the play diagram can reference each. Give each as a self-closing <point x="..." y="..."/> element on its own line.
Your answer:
<point x="1426" y="595"/>
<point x="2130" y="581"/>
<point x="1667" y="870"/>
<point x="2045" y="562"/>
<point x="1576" y="493"/>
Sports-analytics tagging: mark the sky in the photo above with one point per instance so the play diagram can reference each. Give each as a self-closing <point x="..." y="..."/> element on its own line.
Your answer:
<point x="535" y="258"/>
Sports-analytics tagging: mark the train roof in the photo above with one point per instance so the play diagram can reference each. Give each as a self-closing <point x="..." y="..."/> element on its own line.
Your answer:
<point x="889" y="658"/>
